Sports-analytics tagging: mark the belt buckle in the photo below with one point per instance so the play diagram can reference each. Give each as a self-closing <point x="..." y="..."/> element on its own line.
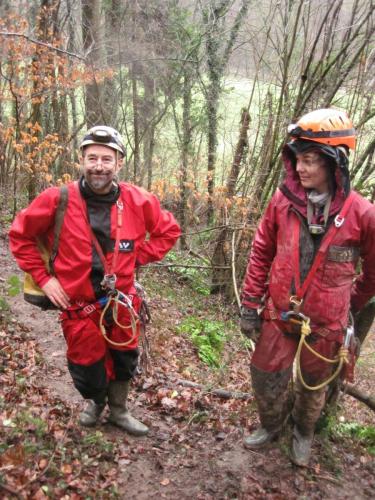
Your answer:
<point x="89" y="308"/>
<point x="108" y="282"/>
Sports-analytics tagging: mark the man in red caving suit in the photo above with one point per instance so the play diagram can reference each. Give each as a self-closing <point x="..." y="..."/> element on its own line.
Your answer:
<point x="109" y="228"/>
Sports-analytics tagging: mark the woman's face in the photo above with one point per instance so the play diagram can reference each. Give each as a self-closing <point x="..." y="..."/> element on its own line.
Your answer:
<point x="312" y="171"/>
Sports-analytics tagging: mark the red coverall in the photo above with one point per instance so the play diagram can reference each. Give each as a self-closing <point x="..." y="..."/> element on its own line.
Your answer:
<point x="271" y="275"/>
<point x="147" y="233"/>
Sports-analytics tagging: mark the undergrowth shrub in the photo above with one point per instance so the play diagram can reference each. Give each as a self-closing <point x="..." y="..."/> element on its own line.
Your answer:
<point x="208" y="336"/>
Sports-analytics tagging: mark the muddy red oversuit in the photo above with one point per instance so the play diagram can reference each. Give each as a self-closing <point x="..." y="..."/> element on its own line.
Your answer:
<point x="92" y="361"/>
<point x="271" y="275"/>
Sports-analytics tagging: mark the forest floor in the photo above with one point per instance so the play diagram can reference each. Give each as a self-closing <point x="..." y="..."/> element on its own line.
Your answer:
<point x="194" y="449"/>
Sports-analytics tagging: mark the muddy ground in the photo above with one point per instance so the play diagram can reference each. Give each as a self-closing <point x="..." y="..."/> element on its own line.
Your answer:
<point x="194" y="449"/>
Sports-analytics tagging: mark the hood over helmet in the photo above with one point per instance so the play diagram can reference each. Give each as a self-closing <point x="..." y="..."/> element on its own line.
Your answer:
<point x="330" y="133"/>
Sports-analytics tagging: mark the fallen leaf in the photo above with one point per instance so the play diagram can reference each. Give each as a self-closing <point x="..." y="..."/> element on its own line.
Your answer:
<point x="39" y="495"/>
<point x="165" y="481"/>
<point x="66" y="469"/>
<point x="43" y="463"/>
<point x="169" y="403"/>
<point x="59" y="434"/>
<point x="14" y="455"/>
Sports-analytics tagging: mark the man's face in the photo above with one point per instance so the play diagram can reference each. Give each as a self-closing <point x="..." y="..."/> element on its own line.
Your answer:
<point x="99" y="166"/>
<point x="312" y="171"/>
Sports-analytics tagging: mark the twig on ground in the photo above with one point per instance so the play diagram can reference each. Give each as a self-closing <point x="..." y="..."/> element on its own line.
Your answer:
<point x="221" y="393"/>
<point x="225" y="394"/>
<point x="356" y="393"/>
<point x="157" y="264"/>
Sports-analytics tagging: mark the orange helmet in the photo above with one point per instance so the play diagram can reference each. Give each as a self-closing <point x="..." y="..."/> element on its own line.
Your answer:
<point x="326" y="126"/>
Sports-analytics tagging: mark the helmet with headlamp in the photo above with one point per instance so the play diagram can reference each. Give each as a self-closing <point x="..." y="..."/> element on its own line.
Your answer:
<point x="104" y="136"/>
<point x="328" y="126"/>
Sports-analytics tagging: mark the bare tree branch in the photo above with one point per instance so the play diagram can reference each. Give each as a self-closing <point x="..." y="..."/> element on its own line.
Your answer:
<point x="43" y="44"/>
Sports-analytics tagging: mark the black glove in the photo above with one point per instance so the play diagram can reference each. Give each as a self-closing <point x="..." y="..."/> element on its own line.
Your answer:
<point x="250" y="323"/>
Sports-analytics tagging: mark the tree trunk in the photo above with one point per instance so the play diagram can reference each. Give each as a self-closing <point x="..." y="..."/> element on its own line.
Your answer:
<point x="212" y="104"/>
<point x="136" y="132"/>
<point x="185" y="156"/>
<point x="218" y="54"/>
<point x="40" y="69"/>
<point x="94" y="43"/>
<point x="148" y="125"/>
<point x="221" y="278"/>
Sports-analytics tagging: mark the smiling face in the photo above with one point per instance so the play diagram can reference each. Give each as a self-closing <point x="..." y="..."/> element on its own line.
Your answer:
<point x="99" y="166"/>
<point x="312" y="170"/>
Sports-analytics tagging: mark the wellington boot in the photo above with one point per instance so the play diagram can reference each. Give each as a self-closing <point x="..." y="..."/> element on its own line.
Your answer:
<point x="301" y="448"/>
<point x="306" y="411"/>
<point x="259" y="438"/>
<point x="119" y="414"/>
<point x="90" y="415"/>
<point x="271" y="392"/>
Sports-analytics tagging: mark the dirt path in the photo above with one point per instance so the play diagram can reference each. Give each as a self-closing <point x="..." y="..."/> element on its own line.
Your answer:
<point x="194" y="449"/>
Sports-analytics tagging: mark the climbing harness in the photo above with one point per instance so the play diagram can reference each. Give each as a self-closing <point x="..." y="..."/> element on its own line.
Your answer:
<point x="114" y="299"/>
<point x="296" y="300"/>
<point x="296" y="317"/>
<point x="305" y="330"/>
<point x="117" y="300"/>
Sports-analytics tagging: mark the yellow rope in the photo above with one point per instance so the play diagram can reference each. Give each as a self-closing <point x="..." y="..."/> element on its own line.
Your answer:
<point x="134" y="320"/>
<point x="341" y="358"/>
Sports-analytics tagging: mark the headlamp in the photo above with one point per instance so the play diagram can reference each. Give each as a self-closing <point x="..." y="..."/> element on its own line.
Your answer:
<point x="102" y="136"/>
<point x="294" y="130"/>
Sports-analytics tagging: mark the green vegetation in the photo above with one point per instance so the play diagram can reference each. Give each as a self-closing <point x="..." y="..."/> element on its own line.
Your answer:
<point x="208" y="337"/>
<point x="10" y="288"/>
<point x="335" y="430"/>
<point x="196" y="277"/>
<point x="365" y="434"/>
<point x="4" y="306"/>
<point x="28" y="438"/>
<point x="98" y="439"/>
<point x="13" y="285"/>
<point x="37" y="435"/>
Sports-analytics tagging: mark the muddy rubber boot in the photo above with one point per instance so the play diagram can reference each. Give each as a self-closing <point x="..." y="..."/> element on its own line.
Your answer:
<point x="90" y="415"/>
<point x="306" y="411"/>
<point x="270" y="391"/>
<point x="119" y="414"/>
<point x="259" y="438"/>
<point x="301" y="448"/>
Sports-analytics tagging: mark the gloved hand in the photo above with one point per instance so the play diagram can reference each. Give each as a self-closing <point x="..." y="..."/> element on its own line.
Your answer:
<point x="250" y="323"/>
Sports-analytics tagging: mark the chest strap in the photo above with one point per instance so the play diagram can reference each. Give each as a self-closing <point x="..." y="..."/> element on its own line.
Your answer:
<point x="297" y="299"/>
